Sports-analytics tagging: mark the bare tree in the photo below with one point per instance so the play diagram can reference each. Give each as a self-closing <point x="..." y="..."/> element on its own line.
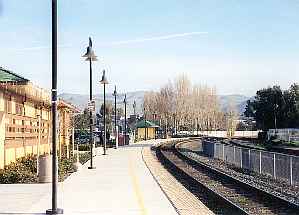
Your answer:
<point x="188" y="106"/>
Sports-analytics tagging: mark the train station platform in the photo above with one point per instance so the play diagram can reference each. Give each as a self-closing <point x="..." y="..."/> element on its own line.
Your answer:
<point x="120" y="184"/>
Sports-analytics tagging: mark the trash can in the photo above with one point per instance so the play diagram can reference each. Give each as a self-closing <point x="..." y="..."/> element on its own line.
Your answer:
<point x="45" y="169"/>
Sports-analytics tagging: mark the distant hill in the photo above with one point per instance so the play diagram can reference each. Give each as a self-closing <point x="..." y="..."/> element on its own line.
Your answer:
<point x="79" y="100"/>
<point x="237" y="101"/>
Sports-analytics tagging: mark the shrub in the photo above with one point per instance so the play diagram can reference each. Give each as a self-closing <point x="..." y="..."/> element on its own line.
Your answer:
<point x="21" y="171"/>
<point x="65" y="168"/>
<point x="84" y="157"/>
<point x="24" y="169"/>
<point x="262" y="135"/>
<point x="84" y="147"/>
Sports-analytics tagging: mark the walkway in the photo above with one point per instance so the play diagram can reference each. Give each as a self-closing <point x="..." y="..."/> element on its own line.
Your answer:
<point x="120" y="184"/>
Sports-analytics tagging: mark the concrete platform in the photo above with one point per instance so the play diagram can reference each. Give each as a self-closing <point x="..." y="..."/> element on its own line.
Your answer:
<point x="120" y="184"/>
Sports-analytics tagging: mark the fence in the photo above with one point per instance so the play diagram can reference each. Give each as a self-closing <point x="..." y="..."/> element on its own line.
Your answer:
<point x="287" y="134"/>
<point x="252" y="134"/>
<point x="279" y="166"/>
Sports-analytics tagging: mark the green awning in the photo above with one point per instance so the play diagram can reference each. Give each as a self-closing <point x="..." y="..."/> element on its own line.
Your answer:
<point x="7" y="76"/>
<point x="146" y="124"/>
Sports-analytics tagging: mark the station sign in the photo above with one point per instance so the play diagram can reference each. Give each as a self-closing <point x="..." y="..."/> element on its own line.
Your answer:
<point x="91" y="106"/>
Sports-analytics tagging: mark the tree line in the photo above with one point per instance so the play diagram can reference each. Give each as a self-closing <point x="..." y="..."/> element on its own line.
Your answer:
<point x="275" y="108"/>
<point x="181" y="105"/>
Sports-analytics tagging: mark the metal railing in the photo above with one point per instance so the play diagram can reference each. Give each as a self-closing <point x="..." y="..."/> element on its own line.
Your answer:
<point x="279" y="166"/>
<point x="286" y="134"/>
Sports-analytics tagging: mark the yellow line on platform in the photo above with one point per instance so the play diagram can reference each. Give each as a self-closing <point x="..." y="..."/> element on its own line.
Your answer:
<point x="136" y="187"/>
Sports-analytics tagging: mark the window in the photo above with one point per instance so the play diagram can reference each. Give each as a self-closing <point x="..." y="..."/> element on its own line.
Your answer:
<point x="8" y="105"/>
<point x="19" y="109"/>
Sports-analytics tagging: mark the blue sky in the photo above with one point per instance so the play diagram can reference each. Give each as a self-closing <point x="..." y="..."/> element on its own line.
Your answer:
<point x="246" y="45"/>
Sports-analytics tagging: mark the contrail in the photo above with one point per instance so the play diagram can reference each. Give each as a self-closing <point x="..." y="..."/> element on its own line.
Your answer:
<point x="165" y="37"/>
<point x="124" y="42"/>
<point x="37" y="48"/>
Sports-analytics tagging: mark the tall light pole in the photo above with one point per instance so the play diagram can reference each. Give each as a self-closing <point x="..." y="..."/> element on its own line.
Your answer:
<point x="134" y="108"/>
<point x="275" y="113"/>
<point x="135" y="119"/>
<point x="54" y="209"/>
<point x="39" y="142"/>
<point x="174" y="124"/>
<point x="197" y="126"/>
<point x="145" y="126"/>
<point x="90" y="56"/>
<point x="125" y="102"/>
<point x="115" y="112"/>
<point x="104" y="81"/>
<point x="154" y="119"/>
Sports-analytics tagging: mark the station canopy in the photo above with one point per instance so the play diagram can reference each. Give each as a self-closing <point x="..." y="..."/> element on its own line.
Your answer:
<point x="7" y="76"/>
<point x="146" y="124"/>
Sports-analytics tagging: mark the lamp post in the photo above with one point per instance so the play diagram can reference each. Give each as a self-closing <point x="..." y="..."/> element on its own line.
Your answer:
<point x="39" y="141"/>
<point x="145" y="126"/>
<point x="125" y="102"/>
<point x="90" y="56"/>
<point x="154" y="119"/>
<point x="134" y="108"/>
<point x="174" y="124"/>
<point x="197" y="126"/>
<point x="115" y="111"/>
<point x="135" y="119"/>
<point x="54" y="209"/>
<point x="104" y="81"/>
<point x="275" y="116"/>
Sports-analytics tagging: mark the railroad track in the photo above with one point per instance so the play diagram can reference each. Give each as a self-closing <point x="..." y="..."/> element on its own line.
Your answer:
<point x="220" y="192"/>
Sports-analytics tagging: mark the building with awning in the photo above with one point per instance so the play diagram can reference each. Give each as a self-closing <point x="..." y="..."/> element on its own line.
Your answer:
<point x="146" y="130"/>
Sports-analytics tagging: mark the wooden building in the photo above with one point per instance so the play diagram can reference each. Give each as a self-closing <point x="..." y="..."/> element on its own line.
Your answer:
<point x="65" y="130"/>
<point x="25" y="118"/>
<point x="146" y="130"/>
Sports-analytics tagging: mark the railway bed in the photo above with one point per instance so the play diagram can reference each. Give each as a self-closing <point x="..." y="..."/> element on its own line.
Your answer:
<point x="220" y="192"/>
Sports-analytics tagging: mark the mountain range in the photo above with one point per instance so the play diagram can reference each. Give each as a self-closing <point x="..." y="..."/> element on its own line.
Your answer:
<point x="81" y="101"/>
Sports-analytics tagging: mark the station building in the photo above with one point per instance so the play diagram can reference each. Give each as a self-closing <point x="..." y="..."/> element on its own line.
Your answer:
<point x="146" y="130"/>
<point x="25" y="119"/>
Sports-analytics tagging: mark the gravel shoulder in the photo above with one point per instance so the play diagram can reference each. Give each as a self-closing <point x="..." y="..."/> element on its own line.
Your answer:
<point x="279" y="188"/>
<point x="182" y="200"/>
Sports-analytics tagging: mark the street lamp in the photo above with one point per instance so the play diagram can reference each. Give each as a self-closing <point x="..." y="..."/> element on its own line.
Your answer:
<point x="115" y="111"/>
<point x="154" y="119"/>
<point x="145" y="126"/>
<point x="135" y="119"/>
<point x="90" y="56"/>
<point x="54" y="209"/>
<point x="197" y="126"/>
<point x="174" y="124"/>
<point x="104" y="81"/>
<point x="134" y="107"/>
<point x="125" y="102"/>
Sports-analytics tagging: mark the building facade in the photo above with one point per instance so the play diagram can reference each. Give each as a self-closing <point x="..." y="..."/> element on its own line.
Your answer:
<point x="146" y="130"/>
<point x="65" y="130"/>
<point x="25" y="119"/>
